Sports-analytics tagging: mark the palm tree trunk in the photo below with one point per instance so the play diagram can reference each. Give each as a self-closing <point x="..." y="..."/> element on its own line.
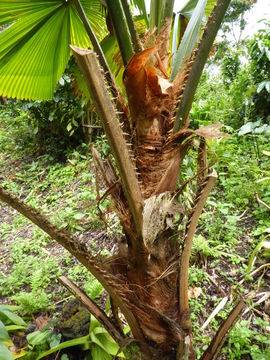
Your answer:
<point x="148" y="269"/>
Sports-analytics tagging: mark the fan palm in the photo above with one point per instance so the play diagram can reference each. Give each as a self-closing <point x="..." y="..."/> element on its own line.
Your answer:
<point x="148" y="130"/>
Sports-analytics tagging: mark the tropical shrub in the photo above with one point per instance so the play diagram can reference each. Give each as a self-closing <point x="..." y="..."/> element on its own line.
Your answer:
<point x="259" y="55"/>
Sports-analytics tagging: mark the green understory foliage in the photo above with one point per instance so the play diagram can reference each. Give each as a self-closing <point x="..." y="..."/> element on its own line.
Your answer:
<point x="57" y="125"/>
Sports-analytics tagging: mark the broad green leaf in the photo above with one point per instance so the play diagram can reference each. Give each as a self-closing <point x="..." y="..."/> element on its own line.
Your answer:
<point x="99" y="354"/>
<point x="13" y="318"/>
<point x="5" y="354"/>
<point x="111" y="50"/>
<point x="80" y="86"/>
<point x="93" y="323"/>
<point x="3" y="332"/>
<point x="187" y="8"/>
<point x="248" y="127"/>
<point x="126" y="329"/>
<point x="38" y="337"/>
<point x="101" y="338"/>
<point x="15" y="327"/>
<point x="209" y="7"/>
<point x="263" y="129"/>
<point x="10" y="307"/>
<point x="99" y="330"/>
<point x="260" y="87"/>
<point x="67" y="344"/>
<point x="263" y="244"/>
<point x="190" y="38"/>
<point x="35" y="47"/>
<point x="10" y="10"/>
<point x="112" y="53"/>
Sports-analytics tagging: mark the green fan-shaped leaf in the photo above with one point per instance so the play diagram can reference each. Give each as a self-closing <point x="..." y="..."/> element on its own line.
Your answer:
<point x="110" y="49"/>
<point x="35" y="47"/>
<point x="11" y="10"/>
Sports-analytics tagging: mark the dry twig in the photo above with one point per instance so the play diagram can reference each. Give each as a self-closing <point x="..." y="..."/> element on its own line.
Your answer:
<point x="216" y="344"/>
<point x="215" y="311"/>
<point x="98" y="313"/>
<point x="260" y="202"/>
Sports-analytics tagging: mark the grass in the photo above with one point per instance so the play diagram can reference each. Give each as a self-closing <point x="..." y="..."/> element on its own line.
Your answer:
<point x="230" y="227"/>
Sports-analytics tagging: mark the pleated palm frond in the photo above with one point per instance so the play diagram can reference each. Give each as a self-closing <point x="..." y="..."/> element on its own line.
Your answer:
<point x="195" y="11"/>
<point x="34" y="49"/>
<point x="186" y="11"/>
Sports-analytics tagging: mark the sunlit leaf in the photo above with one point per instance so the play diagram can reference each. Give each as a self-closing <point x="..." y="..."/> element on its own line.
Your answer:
<point x="19" y="354"/>
<point x="11" y="316"/>
<point x="265" y="152"/>
<point x="15" y="327"/>
<point x="38" y="337"/>
<point x="262" y="85"/>
<point x="263" y="244"/>
<point x="99" y="354"/>
<point x="248" y="127"/>
<point x="35" y="47"/>
<point x="106" y="343"/>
